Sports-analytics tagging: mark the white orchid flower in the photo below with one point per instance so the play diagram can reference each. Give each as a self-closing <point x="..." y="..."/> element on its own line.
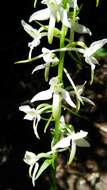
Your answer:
<point x="35" y="170"/>
<point x="34" y="115"/>
<point x="31" y="159"/>
<point x="54" y="12"/>
<point x="50" y="59"/>
<point x="71" y="141"/>
<point x="56" y="92"/>
<point x="35" y="34"/>
<point x="89" y="56"/>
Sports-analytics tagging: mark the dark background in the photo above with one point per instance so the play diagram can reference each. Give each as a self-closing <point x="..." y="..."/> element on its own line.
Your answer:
<point x="16" y="86"/>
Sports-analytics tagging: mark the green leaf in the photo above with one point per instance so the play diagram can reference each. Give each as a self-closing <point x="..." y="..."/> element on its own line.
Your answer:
<point x="43" y="167"/>
<point x="102" y="52"/>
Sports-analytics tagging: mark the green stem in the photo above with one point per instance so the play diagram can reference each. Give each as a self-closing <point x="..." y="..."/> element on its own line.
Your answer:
<point x="62" y="54"/>
<point x="57" y="120"/>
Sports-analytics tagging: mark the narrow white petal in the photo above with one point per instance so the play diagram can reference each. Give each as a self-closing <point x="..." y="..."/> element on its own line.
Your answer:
<point x="43" y="14"/>
<point x="44" y="95"/>
<point x="87" y="100"/>
<point x="67" y="98"/>
<point x="35" y="125"/>
<point x="34" y="173"/>
<point x="91" y="61"/>
<point x="72" y="152"/>
<point x="39" y="67"/>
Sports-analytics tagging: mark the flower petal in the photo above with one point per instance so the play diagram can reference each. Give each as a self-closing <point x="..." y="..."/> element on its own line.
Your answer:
<point x="25" y="108"/>
<point x="43" y="14"/>
<point x="44" y="95"/>
<point x="63" y="143"/>
<point x="55" y="106"/>
<point x="79" y="28"/>
<point x="29" y="117"/>
<point x="29" y="29"/>
<point x="51" y="29"/>
<point x="35" y="125"/>
<point x="79" y="135"/>
<point x="64" y="18"/>
<point x="82" y="143"/>
<point x="72" y="152"/>
<point x="29" y="158"/>
<point x="67" y="98"/>
<point x="34" y="173"/>
<point x="39" y="67"/>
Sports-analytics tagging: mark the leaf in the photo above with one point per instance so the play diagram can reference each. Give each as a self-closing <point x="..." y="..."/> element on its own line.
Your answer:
<point x="43" y="167"/>
<point x="102" y="52"/>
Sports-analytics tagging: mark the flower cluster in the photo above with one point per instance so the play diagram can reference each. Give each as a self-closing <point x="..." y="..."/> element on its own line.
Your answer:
<point x="63" y="22"/>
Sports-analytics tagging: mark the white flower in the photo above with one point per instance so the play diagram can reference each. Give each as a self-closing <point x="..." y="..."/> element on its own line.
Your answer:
<point x="34" y="114"/>
<point x="56" y="92"/>
<point x="33" y="160"/>
<point x="35" y="34"/>
<point x="50" y="60"/>
<point x="72" y="140"/>
<point x="54" y="12"/>
<point x="89" y="52"/>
